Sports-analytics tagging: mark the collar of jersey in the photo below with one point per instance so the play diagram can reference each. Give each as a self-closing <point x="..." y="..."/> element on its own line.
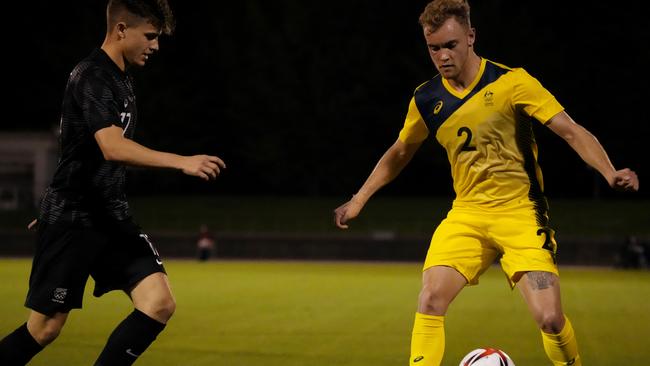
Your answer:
<point x="463" y="94"/>
<point x="106" y="59"/>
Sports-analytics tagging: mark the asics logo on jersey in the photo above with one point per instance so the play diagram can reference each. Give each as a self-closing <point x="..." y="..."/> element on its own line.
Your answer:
<point x="437" y="107"/>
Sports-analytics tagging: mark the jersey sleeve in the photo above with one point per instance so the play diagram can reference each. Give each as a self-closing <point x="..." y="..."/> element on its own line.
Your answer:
<point x="531" y="97"/>
<point x="415" y="129"/>
<point x="97" y="100"/>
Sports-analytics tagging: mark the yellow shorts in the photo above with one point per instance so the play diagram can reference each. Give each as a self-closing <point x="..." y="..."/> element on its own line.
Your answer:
<point x="470" y="240"/>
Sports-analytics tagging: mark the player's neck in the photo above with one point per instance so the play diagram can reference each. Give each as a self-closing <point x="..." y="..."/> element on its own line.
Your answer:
<point x="468" y="74"/>
<point x="114" y="52"/>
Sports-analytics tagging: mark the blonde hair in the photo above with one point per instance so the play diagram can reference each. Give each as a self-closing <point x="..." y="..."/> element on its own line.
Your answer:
<point x="438" y="11"/>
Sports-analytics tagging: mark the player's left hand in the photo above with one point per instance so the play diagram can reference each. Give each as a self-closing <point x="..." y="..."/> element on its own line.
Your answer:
<point x="625" y="180"/>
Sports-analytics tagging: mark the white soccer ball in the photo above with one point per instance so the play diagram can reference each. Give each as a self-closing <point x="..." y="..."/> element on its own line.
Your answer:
<point x="486" y="357"/>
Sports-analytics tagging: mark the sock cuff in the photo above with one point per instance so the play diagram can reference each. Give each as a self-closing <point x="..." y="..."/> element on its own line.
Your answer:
<point x="27" y="337"/>
<point x="429" y="318"/>
<point x="568" y="327"/>
<point x="18" y="347"/>
<point x="146" y="321"/>
<point x="566" y="332"/>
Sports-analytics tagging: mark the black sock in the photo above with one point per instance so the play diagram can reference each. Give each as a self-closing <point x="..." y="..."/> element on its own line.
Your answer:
<point x="131" y="337"/>
<point x="18" y="348"/>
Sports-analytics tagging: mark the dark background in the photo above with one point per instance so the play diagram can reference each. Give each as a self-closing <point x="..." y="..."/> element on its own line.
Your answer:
<point x="303" y="97"/>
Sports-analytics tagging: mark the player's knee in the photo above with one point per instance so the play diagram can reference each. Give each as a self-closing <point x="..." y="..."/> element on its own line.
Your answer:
<point x="430" y="302"/>
<point x="163" y="309"/>
<point x="46" y="333"/>
<point x="169" y="308"/>
<point x="551" y="322"/>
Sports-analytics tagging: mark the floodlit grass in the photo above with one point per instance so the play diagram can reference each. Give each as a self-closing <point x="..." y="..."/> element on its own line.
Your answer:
<point x="343" y="313"/>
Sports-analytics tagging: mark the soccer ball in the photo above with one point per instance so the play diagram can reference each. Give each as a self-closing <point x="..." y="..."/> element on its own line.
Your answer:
<point x="486" y="357"/>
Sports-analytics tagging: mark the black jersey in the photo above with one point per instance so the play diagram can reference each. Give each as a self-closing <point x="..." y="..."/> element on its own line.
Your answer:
<point x="86" y="187"/>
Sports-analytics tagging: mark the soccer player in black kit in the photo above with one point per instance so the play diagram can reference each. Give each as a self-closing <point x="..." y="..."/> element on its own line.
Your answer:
<point x="84" y="225"/>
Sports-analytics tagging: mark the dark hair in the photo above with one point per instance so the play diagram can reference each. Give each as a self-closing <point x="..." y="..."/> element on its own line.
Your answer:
<point x="157" y="12"/>
<point x="438" y="11"/>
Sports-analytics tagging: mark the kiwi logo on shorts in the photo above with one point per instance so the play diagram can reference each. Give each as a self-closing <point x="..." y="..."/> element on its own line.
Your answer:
<point x="59" y="295"/>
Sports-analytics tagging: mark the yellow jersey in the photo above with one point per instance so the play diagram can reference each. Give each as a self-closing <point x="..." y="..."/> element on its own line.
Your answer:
<point x="488" y="135"/>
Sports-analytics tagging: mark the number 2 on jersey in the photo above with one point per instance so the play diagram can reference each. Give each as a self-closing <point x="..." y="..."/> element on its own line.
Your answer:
<point x="468" y="139"/>
<point x="548" y="238"/>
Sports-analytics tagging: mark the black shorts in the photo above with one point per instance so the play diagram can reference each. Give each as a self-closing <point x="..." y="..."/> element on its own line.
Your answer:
<point x="117" y="255"/>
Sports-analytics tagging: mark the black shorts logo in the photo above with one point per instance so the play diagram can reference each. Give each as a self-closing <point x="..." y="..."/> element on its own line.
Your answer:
<point x="153" y="249"/>
<point x="59" y="295"/>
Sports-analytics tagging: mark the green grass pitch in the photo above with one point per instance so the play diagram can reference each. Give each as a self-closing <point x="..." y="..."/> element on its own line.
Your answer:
<point x="342" y="313"/>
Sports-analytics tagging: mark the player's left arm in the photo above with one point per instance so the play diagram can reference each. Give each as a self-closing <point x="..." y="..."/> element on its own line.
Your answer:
<point x="592" y="152"/>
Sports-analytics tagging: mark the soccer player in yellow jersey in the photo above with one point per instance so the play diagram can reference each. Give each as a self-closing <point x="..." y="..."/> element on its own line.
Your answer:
<point x="482" y="113"/>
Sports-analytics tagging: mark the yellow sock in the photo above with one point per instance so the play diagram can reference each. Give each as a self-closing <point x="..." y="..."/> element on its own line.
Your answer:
<point x="428" y="340"/>
<point x="562" y="348"/>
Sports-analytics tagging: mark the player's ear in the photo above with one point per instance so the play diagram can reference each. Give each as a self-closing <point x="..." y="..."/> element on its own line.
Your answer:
<point x="471" y="37"/>
<point x="120" y="28"/>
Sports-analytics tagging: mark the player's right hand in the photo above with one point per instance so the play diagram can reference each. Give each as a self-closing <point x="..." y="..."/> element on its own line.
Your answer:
<point x="346" y="212"/>
<point x="625" y="180"/>
<point x="203" y="166"/>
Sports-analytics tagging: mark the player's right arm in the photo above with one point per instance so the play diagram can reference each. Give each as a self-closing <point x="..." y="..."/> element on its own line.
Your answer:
<point x="592" y="152"/>
<point x="388" y="167"/>
<point x="115" y="147"/>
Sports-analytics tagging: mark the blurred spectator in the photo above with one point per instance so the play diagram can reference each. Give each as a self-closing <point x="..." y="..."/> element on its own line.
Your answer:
<point x="632" y="254"/>
<point x="205" y="243"/>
